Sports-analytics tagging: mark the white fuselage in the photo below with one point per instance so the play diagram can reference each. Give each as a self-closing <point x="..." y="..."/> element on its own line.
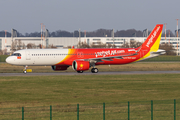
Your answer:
<point x="38" y="57"/>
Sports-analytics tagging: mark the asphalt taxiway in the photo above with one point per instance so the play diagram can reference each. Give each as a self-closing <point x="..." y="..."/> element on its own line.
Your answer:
<point x="89" y="73"/>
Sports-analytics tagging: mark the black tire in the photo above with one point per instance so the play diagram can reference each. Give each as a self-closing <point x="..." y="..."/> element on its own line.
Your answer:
<point x="80" y="71"/>
<point x="92" y="70"/>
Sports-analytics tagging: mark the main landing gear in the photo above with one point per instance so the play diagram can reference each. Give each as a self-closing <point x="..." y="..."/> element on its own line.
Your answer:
<point x="94" y="70"/>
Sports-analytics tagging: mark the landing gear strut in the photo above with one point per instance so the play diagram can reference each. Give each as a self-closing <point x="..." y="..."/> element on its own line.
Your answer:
<point x="94" y="70"/>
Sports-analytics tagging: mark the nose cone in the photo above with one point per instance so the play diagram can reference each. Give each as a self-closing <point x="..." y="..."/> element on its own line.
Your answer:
<point x="9" y="60"/>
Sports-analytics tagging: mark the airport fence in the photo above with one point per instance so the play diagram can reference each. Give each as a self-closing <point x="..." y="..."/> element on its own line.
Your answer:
<point x="144" y="110"/>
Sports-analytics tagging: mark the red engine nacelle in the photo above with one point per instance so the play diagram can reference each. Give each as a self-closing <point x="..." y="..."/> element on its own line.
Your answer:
<point x="80" y="65"/>
<point x="59" y="67"/>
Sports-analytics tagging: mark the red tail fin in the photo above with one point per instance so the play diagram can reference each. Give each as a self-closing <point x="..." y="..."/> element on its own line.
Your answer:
<point x="153" y="40"/>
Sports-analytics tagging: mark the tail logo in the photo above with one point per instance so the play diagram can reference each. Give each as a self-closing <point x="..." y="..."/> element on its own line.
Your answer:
<point x="152" y="36"/>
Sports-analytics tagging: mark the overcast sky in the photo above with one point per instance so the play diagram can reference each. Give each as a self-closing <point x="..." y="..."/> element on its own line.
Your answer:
<point x="26" y="15"/>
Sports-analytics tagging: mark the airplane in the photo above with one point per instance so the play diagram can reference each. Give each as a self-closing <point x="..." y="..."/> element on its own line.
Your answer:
<point x="82" y="59"/>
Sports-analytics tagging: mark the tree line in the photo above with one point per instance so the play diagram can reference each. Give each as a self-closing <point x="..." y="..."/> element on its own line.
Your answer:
<point x="96" y="33"/>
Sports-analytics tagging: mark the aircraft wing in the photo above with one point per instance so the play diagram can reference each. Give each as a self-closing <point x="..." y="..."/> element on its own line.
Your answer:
<point x="99" y="59"/>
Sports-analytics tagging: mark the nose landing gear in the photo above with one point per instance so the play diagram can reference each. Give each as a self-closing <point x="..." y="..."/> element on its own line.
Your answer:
<point x="24" y="71"/>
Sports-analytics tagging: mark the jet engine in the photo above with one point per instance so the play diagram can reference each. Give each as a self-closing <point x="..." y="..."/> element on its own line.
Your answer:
<point x="59" y="67"/>
<point x="80" y="65"/>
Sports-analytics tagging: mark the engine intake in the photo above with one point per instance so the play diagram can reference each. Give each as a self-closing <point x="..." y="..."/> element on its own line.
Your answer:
<point x="80" y="65"/>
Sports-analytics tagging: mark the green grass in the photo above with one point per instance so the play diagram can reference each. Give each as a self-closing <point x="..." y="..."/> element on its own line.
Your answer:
<point x="36" y="93"/>
<point x="43" y="90"/>
<point x="3" y="58"/>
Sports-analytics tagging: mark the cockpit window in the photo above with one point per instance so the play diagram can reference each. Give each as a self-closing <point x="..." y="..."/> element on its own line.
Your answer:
<point x="16" y="54"/>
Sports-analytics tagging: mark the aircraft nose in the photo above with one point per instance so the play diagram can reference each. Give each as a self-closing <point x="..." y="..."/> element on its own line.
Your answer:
<point x="9" y="60"/>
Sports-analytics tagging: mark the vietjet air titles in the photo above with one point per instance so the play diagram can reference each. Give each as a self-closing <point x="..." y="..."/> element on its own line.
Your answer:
<point x="83" y="59"/>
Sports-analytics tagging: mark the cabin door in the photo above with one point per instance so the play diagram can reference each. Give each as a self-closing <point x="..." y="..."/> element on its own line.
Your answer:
<point x="28" y="55"/>
<point x="80" y="55"/>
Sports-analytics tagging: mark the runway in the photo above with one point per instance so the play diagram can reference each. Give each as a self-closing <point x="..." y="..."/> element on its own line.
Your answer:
<point x="89" y="73"/>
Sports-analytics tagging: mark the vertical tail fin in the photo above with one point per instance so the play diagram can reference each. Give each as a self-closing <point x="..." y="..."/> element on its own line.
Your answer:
<point x="153" y="40"/>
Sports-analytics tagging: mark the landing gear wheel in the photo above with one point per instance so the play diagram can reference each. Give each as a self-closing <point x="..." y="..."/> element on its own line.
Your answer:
<point x="94" y="70"/>
<point x="25" y="72"/>
<point x="80" y="71"/>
